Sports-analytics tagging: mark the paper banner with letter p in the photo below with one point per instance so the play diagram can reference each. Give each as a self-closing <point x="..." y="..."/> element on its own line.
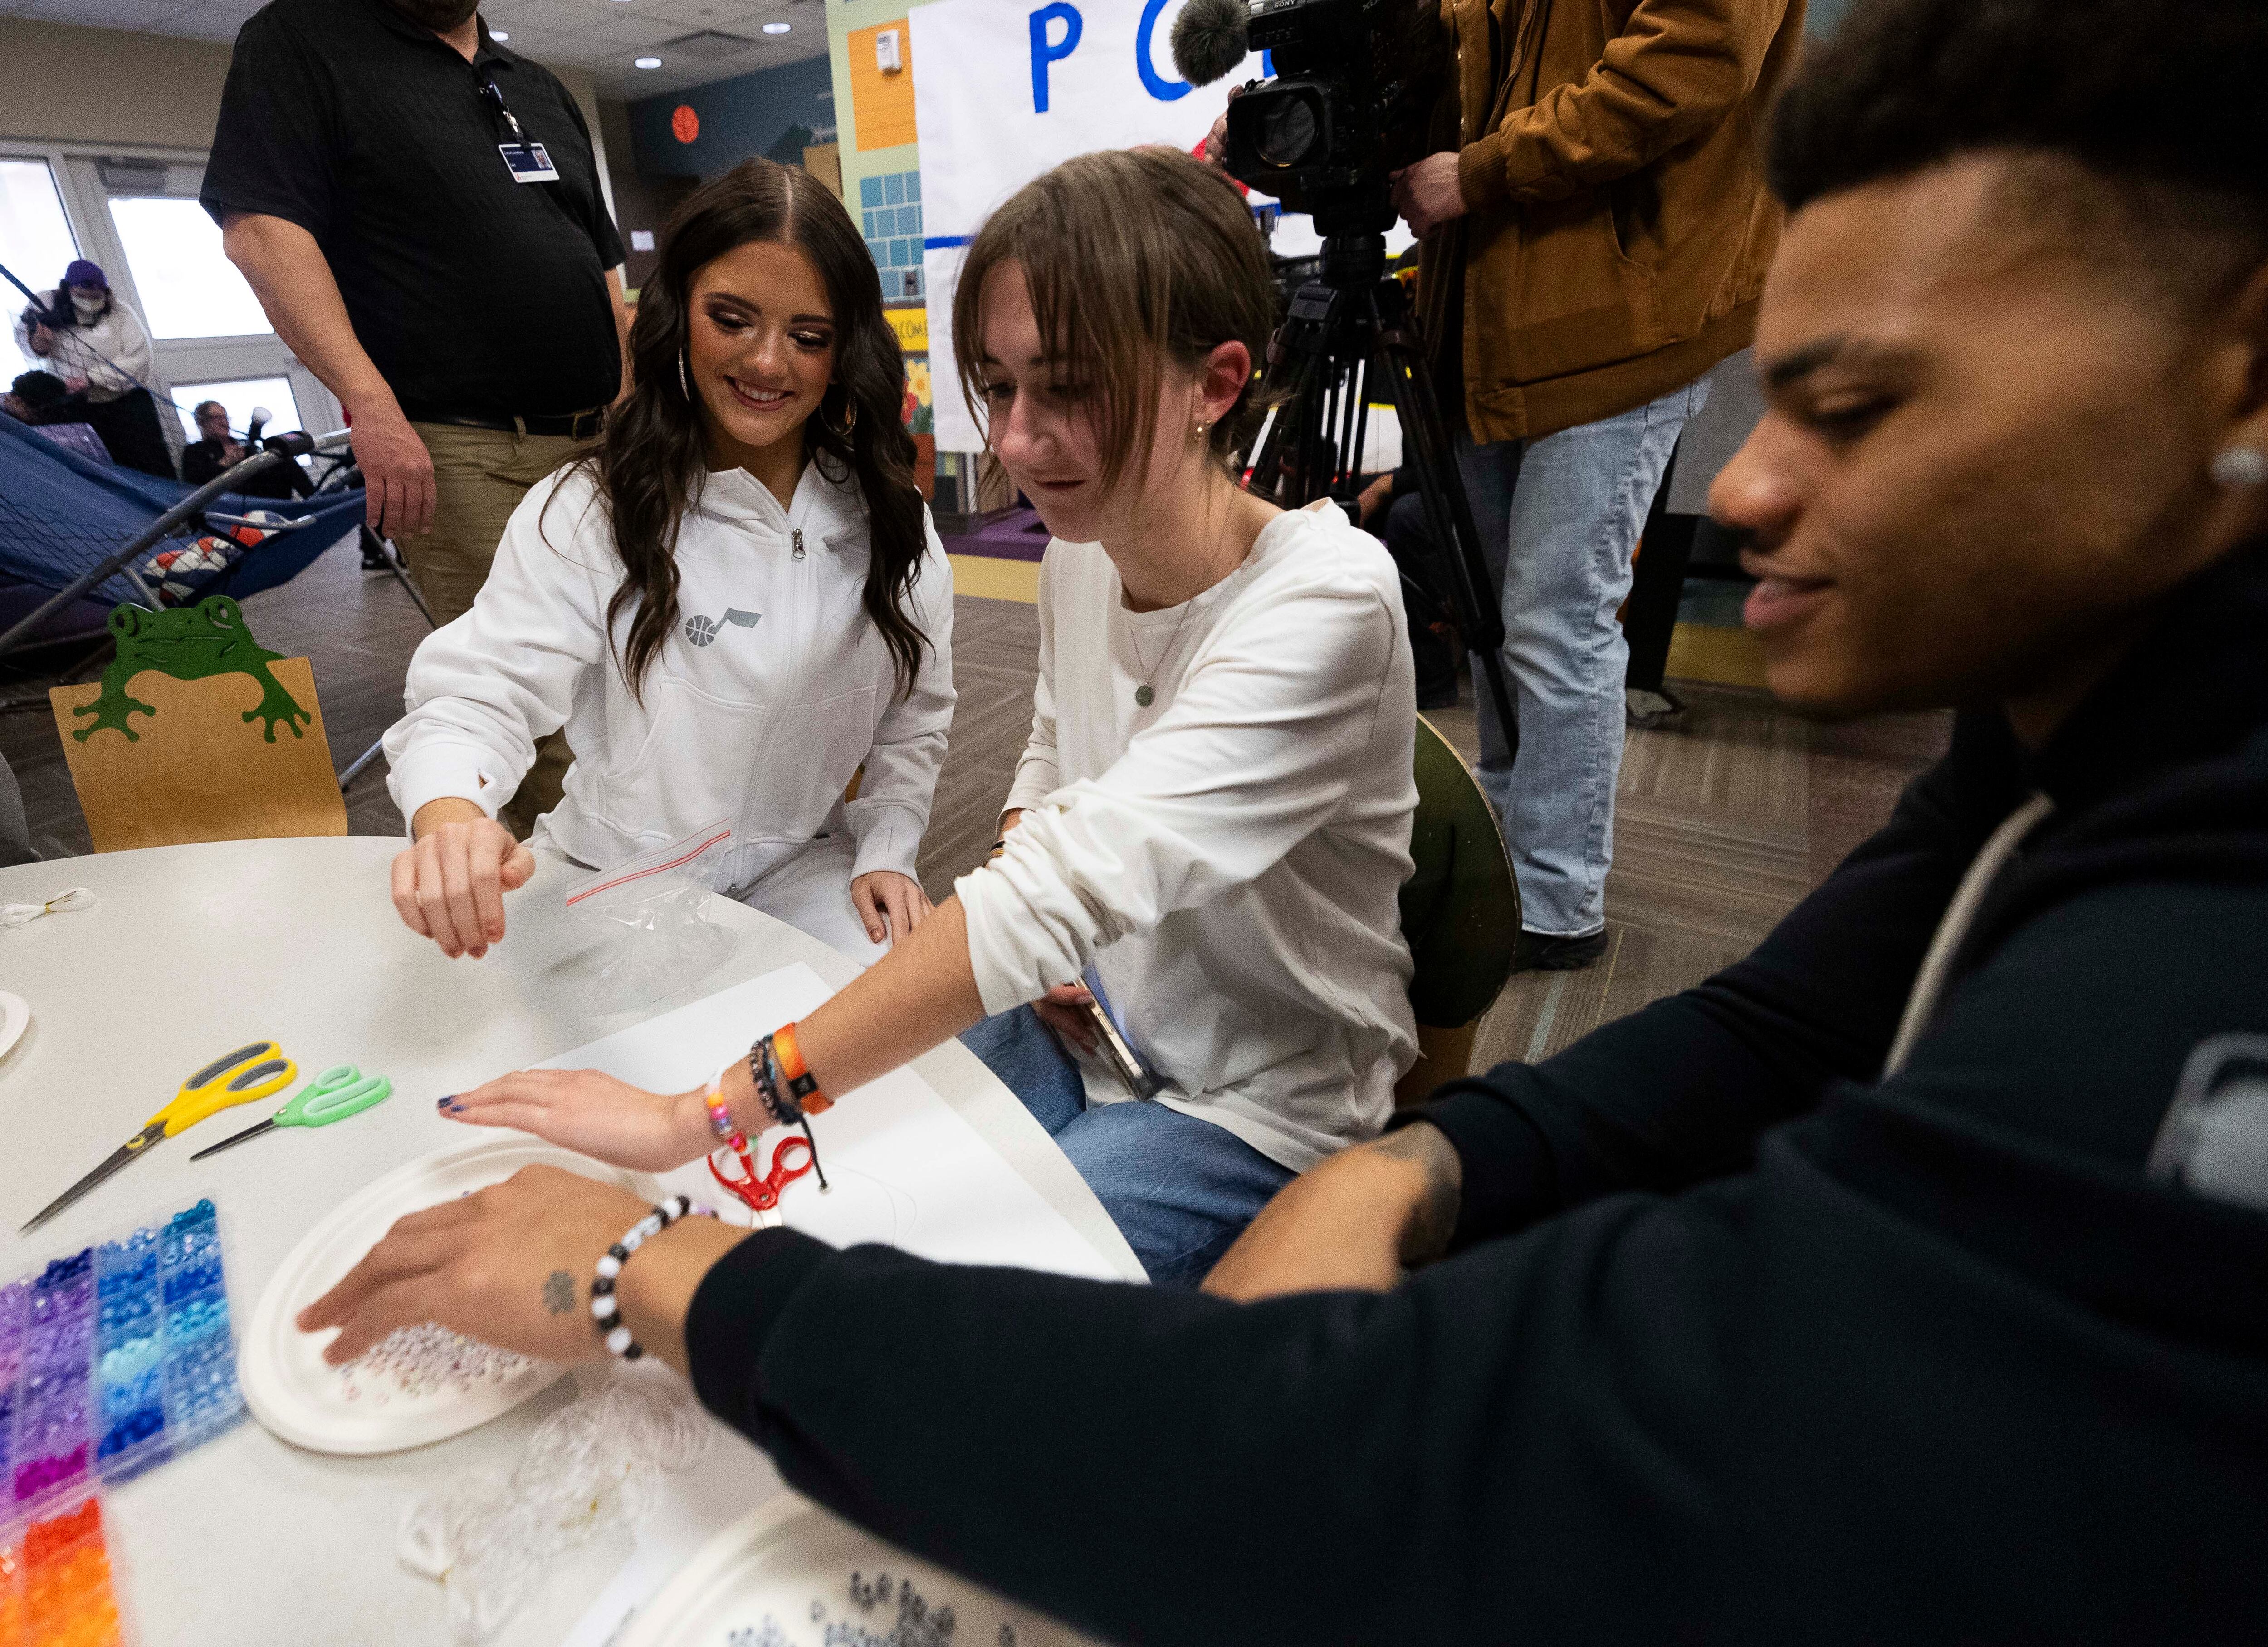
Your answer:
<point x="1009" y="88"/>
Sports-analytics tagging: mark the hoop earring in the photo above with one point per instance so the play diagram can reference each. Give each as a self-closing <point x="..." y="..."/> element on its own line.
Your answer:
<point x="849" y="415"/>
<point x="683" y="387"/>
<point x="2241" y="468"/>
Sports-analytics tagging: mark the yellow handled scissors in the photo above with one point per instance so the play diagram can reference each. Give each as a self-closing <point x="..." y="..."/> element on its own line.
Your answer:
<point x="246" y="1074"/>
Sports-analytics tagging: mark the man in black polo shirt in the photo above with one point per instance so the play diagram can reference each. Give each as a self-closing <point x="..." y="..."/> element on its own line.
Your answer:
<point x="419" y="211"/>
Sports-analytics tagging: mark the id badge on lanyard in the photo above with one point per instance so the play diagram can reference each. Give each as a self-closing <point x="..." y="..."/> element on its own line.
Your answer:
<point x="527" y="163"/>
<point x="525" y="160"/>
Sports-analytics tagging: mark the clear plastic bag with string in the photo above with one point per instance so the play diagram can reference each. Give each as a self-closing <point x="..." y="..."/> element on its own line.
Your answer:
<point x="655" y="909"/>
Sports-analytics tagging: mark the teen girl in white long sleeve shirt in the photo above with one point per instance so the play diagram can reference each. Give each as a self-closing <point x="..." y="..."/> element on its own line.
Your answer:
<point x="731" y="607"/>
<point x="1213" y="817"/>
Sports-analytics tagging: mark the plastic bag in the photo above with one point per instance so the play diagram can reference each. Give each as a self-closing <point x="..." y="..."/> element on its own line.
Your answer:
<point x="594" y="1464"/>
<point x="656" y="908"/>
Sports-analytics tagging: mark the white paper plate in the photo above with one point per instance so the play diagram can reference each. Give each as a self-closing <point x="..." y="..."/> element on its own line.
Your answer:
<point x="298" y="1396"/>
<point x="15" y="1014"/>
<point x="783" y="1576"/>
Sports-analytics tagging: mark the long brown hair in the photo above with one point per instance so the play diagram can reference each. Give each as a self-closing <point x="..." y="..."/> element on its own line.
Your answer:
<point x="1133" y="258"/>
<point x="651" y="462"/>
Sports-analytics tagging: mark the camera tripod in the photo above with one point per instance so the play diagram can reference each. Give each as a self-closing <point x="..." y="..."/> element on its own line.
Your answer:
<point x="1347" y="327"/>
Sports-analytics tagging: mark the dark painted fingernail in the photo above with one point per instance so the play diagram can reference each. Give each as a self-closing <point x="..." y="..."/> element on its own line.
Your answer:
<point x="444" y="1101"/>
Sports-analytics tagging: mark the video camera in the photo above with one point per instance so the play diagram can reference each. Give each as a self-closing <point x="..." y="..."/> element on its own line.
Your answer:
<point x="1355" y="89"/>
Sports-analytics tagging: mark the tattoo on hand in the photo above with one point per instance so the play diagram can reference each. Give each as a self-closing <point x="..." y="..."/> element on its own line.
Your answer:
<point x="559" y="1292"/>
<point x="1435" y="1219"/>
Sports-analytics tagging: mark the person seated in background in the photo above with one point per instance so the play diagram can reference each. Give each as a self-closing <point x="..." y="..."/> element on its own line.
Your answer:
<point x="1392" y="511"/>
<point x="42" y="400"/>
<point x="1902" y="1283"/>
<point x="217" y="450"/>
<point x="734" y="601"/>
<point x="1210" y="826"/>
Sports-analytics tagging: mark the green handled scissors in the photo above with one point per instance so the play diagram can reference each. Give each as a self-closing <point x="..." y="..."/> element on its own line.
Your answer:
<point x="334" y="1094"/>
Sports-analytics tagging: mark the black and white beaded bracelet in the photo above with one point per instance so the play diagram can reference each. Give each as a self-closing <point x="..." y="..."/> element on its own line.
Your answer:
<point x="604" y="1309"/>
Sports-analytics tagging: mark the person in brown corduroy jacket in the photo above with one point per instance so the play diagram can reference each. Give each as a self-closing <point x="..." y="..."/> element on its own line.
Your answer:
<point x="1596" y="231"/>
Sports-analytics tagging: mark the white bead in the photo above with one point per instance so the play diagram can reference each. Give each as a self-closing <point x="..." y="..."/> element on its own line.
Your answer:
<point x="610" y="1267"/>
<point x="602" y="1307"/>
<point x="618" y="1340"/>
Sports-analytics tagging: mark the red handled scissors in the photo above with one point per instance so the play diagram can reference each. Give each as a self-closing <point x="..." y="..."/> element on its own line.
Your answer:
<point x="761" y="1193"/>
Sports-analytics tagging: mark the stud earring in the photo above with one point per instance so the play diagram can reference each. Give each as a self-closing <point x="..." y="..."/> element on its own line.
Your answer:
<point x="684" y="387"/>
<point x="2241" y="468"/>
<point x="1198" y="432"/>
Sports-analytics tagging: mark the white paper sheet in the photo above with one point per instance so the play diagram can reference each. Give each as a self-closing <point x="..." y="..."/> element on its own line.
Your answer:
<point x="906" y="1168"/>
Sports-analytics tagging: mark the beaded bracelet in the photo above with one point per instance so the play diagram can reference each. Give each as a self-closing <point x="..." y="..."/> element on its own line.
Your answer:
<point x="604" y="1308"/>
<point x="779" y="1092"/>
<point x="720" y="1116"/>
<point x="771" y="1086"/>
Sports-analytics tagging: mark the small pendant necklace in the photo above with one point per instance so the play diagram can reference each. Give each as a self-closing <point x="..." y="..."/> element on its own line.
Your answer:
<point x="1146" y="694"/>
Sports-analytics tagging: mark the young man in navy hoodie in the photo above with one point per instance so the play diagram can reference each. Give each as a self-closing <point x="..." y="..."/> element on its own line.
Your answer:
<point x="1908" y="1281"/>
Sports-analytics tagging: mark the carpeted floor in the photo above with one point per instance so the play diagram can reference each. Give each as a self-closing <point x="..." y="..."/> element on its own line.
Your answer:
<point x="1724" y="821"/>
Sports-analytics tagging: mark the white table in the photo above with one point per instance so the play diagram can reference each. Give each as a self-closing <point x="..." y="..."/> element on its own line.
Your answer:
<point x="193" y="950"/>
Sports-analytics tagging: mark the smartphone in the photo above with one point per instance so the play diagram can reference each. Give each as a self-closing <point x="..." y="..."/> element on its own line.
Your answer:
<point x="1114" y="1048"/>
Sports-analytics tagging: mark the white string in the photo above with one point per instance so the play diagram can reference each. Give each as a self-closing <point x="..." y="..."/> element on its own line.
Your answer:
<point x="61" y="903"/>
<point x="1929" y="983"/>
<point x="596" y="1463"/>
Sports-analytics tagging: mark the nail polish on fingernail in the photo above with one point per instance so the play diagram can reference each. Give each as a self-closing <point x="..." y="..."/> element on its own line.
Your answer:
<point x="444" y="1101"/>
<point x="456" y="1108"/>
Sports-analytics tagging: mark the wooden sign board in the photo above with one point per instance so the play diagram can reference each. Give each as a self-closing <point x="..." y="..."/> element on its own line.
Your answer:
<point x="196" y="770"/>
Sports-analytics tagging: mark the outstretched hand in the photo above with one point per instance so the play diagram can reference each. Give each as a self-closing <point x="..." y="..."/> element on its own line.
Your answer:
<point x="592" y="1114"/>
<point x="511" y="1266"/>
<point x="450" y="886"/>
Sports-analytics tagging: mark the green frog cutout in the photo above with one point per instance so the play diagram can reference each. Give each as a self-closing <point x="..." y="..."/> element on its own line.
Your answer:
<point x="189" y="644"/>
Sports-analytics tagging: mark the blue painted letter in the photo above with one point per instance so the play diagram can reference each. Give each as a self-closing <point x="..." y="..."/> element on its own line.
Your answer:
<point x="1159" y="87"/>
<point x="1044" y="52"/>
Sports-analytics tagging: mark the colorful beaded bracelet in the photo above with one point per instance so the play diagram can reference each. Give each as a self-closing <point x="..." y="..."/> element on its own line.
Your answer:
<point x="720" y="1115"/>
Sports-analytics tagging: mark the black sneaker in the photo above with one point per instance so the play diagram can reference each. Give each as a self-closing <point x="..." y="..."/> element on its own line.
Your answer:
<point x="1539" y="952"/>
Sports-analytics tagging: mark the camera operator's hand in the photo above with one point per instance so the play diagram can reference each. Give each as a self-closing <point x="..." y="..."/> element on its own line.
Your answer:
<point x="1427" y="195"/>
<point x="1216" y="145"/>
<point x="41" y="340"/>
<point x="397" y="470"/>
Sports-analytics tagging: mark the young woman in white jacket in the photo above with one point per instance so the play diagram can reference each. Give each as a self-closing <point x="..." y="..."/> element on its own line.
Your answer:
<point x="1213" y="817"/>
<point x="733" y="603"/>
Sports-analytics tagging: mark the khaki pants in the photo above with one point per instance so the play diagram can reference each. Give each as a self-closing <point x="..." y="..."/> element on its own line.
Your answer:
<point x="479" y="477"/>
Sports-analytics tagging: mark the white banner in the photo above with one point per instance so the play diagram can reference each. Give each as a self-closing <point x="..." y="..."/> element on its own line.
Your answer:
<point x="1005" y="89"/>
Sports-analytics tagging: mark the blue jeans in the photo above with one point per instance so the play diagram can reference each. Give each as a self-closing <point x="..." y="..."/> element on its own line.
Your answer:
<point x="1180" y="1190"/>
<point x="1558" y="520"/>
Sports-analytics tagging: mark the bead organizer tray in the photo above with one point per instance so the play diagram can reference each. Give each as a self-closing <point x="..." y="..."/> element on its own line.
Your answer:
<point x="113" y="1359"/>
<point x="55" y="1584"/>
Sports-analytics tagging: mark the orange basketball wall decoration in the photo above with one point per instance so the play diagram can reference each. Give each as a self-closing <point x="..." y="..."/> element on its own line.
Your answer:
<point x="684" y="123"/>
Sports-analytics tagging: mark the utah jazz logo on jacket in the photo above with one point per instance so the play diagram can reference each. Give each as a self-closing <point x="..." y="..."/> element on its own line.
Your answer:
<point x="701" y="630"/>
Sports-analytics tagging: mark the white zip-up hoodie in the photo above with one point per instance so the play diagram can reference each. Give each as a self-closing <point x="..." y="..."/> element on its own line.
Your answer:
<point x="769" y="693"/>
